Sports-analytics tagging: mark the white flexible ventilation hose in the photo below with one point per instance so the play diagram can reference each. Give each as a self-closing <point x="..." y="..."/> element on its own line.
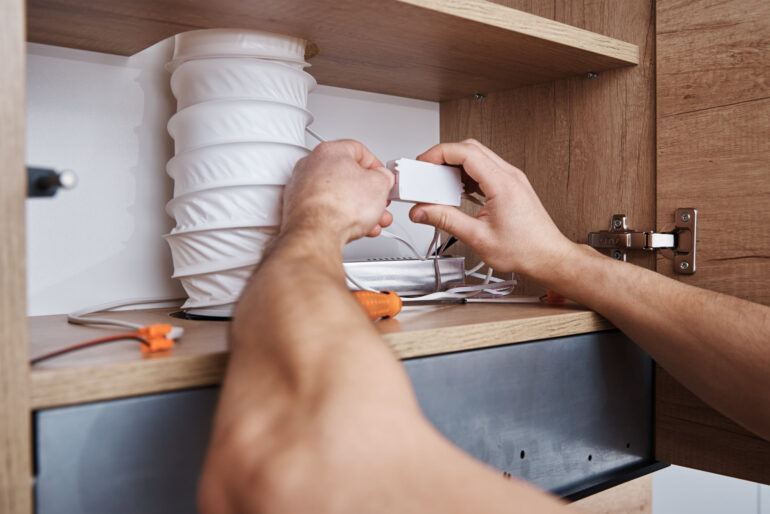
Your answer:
<point x="239" y="131"/>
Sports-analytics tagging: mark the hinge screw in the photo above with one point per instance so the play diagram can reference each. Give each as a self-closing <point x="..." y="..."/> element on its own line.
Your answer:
<point x="686" y="217"/>
<point x="592" y="74"/>
<point x="479" y="96"/>
<point x="684" y="265"/>
<point x="617" y="223"/>
<point x="617" y="254"/>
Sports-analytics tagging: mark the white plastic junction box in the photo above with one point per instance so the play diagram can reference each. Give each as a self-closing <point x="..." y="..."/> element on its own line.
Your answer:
<point x="424" y="182"/>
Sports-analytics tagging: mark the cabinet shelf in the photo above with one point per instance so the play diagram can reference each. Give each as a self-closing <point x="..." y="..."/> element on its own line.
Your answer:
<point x="428" y="49"/>
<point x="120" y="370"/>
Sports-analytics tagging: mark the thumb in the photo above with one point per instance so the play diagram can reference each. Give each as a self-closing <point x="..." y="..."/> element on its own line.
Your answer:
<point x="449" y="219"/>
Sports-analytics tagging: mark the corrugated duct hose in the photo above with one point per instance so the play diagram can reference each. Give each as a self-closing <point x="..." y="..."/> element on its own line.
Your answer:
<point x="238" y="132"/>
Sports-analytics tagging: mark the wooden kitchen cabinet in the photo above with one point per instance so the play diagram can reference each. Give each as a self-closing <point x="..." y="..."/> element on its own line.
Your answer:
<point x="689" y="127"/>
<point x="610" y="107"/>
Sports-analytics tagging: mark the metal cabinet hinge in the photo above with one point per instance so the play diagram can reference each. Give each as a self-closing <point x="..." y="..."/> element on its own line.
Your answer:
<point x="619" y="239"/>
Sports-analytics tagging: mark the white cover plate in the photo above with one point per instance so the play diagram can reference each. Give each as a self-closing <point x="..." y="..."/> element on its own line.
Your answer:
<point x="424" y="182"/>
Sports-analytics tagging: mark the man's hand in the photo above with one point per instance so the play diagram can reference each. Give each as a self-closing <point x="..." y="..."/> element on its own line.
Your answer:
<point x="341" y="188"/>
<point x="513" y="231"/>
<point x="316" y="414"/>
<point x="716" y="345"/>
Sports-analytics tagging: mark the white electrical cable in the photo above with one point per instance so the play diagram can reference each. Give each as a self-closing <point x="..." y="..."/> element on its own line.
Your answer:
<point x="433" y="242"/>
<point x="489" y="275"/>
<point x="516" y="299"/>
<point x="462" y="292"/>
<point x="358" y="284"/>
<point x="491" y="279"/>
<point x="316" y="135"/>
<point x="391" y="235"/>
<point x="77" y="317"/>
<point x="471" y="272"/>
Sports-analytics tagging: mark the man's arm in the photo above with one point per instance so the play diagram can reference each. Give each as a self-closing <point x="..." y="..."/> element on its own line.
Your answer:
<point x="316" y="414"/>
<point x="718" y="346"/>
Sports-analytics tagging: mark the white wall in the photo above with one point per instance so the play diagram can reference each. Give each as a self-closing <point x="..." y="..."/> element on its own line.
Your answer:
<point x="678" y="490"/>
<point x="102" y="116"/>
<point x="105" y="117"/>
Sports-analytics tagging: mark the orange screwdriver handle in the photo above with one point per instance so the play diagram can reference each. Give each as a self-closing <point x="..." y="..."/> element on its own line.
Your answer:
<point x="379" y="305"/>
<point x="554" y="298"/>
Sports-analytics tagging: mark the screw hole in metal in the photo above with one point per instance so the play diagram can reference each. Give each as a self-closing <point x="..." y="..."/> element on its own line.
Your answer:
<point x="590" y="457"/>
<point x="522" y="454"/>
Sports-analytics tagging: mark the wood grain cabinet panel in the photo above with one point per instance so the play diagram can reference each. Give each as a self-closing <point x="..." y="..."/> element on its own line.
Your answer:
<point x="713" y="123"/>
<point x="678" y="116"/>
<point x="428" y="49"/>
<point x="15" y="452"/>
<point x="587" y="145"/>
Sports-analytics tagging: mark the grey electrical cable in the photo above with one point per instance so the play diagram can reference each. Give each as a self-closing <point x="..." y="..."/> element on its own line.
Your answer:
<point x="77" y="317"/>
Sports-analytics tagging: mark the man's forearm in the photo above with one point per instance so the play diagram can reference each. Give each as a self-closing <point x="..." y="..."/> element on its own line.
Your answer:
<point x="301" y="351"/>
<point x="316" y="414"/>
<point x="301" y="278"/>
<point x="684" y="328"/>
<point x="297" y="323"/>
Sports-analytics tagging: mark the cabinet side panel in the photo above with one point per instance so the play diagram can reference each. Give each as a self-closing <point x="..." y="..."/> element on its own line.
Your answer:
<point x="587" y="145"/>
<point x="690" y="433"/>
<point x="713" y="125"/>
<point x="714" y="137"/>
<point x="15" y="449"/>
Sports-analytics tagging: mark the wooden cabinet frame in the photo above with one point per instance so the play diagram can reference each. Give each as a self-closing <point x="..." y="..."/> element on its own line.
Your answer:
<point x="15" y="445"/>
<point x="517" y="81"/>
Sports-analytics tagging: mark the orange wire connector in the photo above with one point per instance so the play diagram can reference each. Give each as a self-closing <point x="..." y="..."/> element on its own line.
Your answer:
<point x="153" y="338"/>
<point x="156" y="337"/>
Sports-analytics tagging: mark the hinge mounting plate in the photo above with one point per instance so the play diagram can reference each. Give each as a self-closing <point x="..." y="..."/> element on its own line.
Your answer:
<point x="619" y="239"/>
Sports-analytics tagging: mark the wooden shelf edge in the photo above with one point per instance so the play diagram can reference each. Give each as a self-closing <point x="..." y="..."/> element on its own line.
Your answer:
<point x="423" y="343"/>
<point x="57" y="387"/>
<point x="70" y="386"/>
<point x="496" y="15"/>
<point x="426" y="49"/>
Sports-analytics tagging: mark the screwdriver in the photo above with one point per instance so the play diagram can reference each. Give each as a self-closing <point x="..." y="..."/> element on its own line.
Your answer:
<point x="387" y="303"/>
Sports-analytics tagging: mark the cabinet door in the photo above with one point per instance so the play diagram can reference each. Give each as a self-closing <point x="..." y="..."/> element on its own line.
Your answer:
<point x="713" y="126"/>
